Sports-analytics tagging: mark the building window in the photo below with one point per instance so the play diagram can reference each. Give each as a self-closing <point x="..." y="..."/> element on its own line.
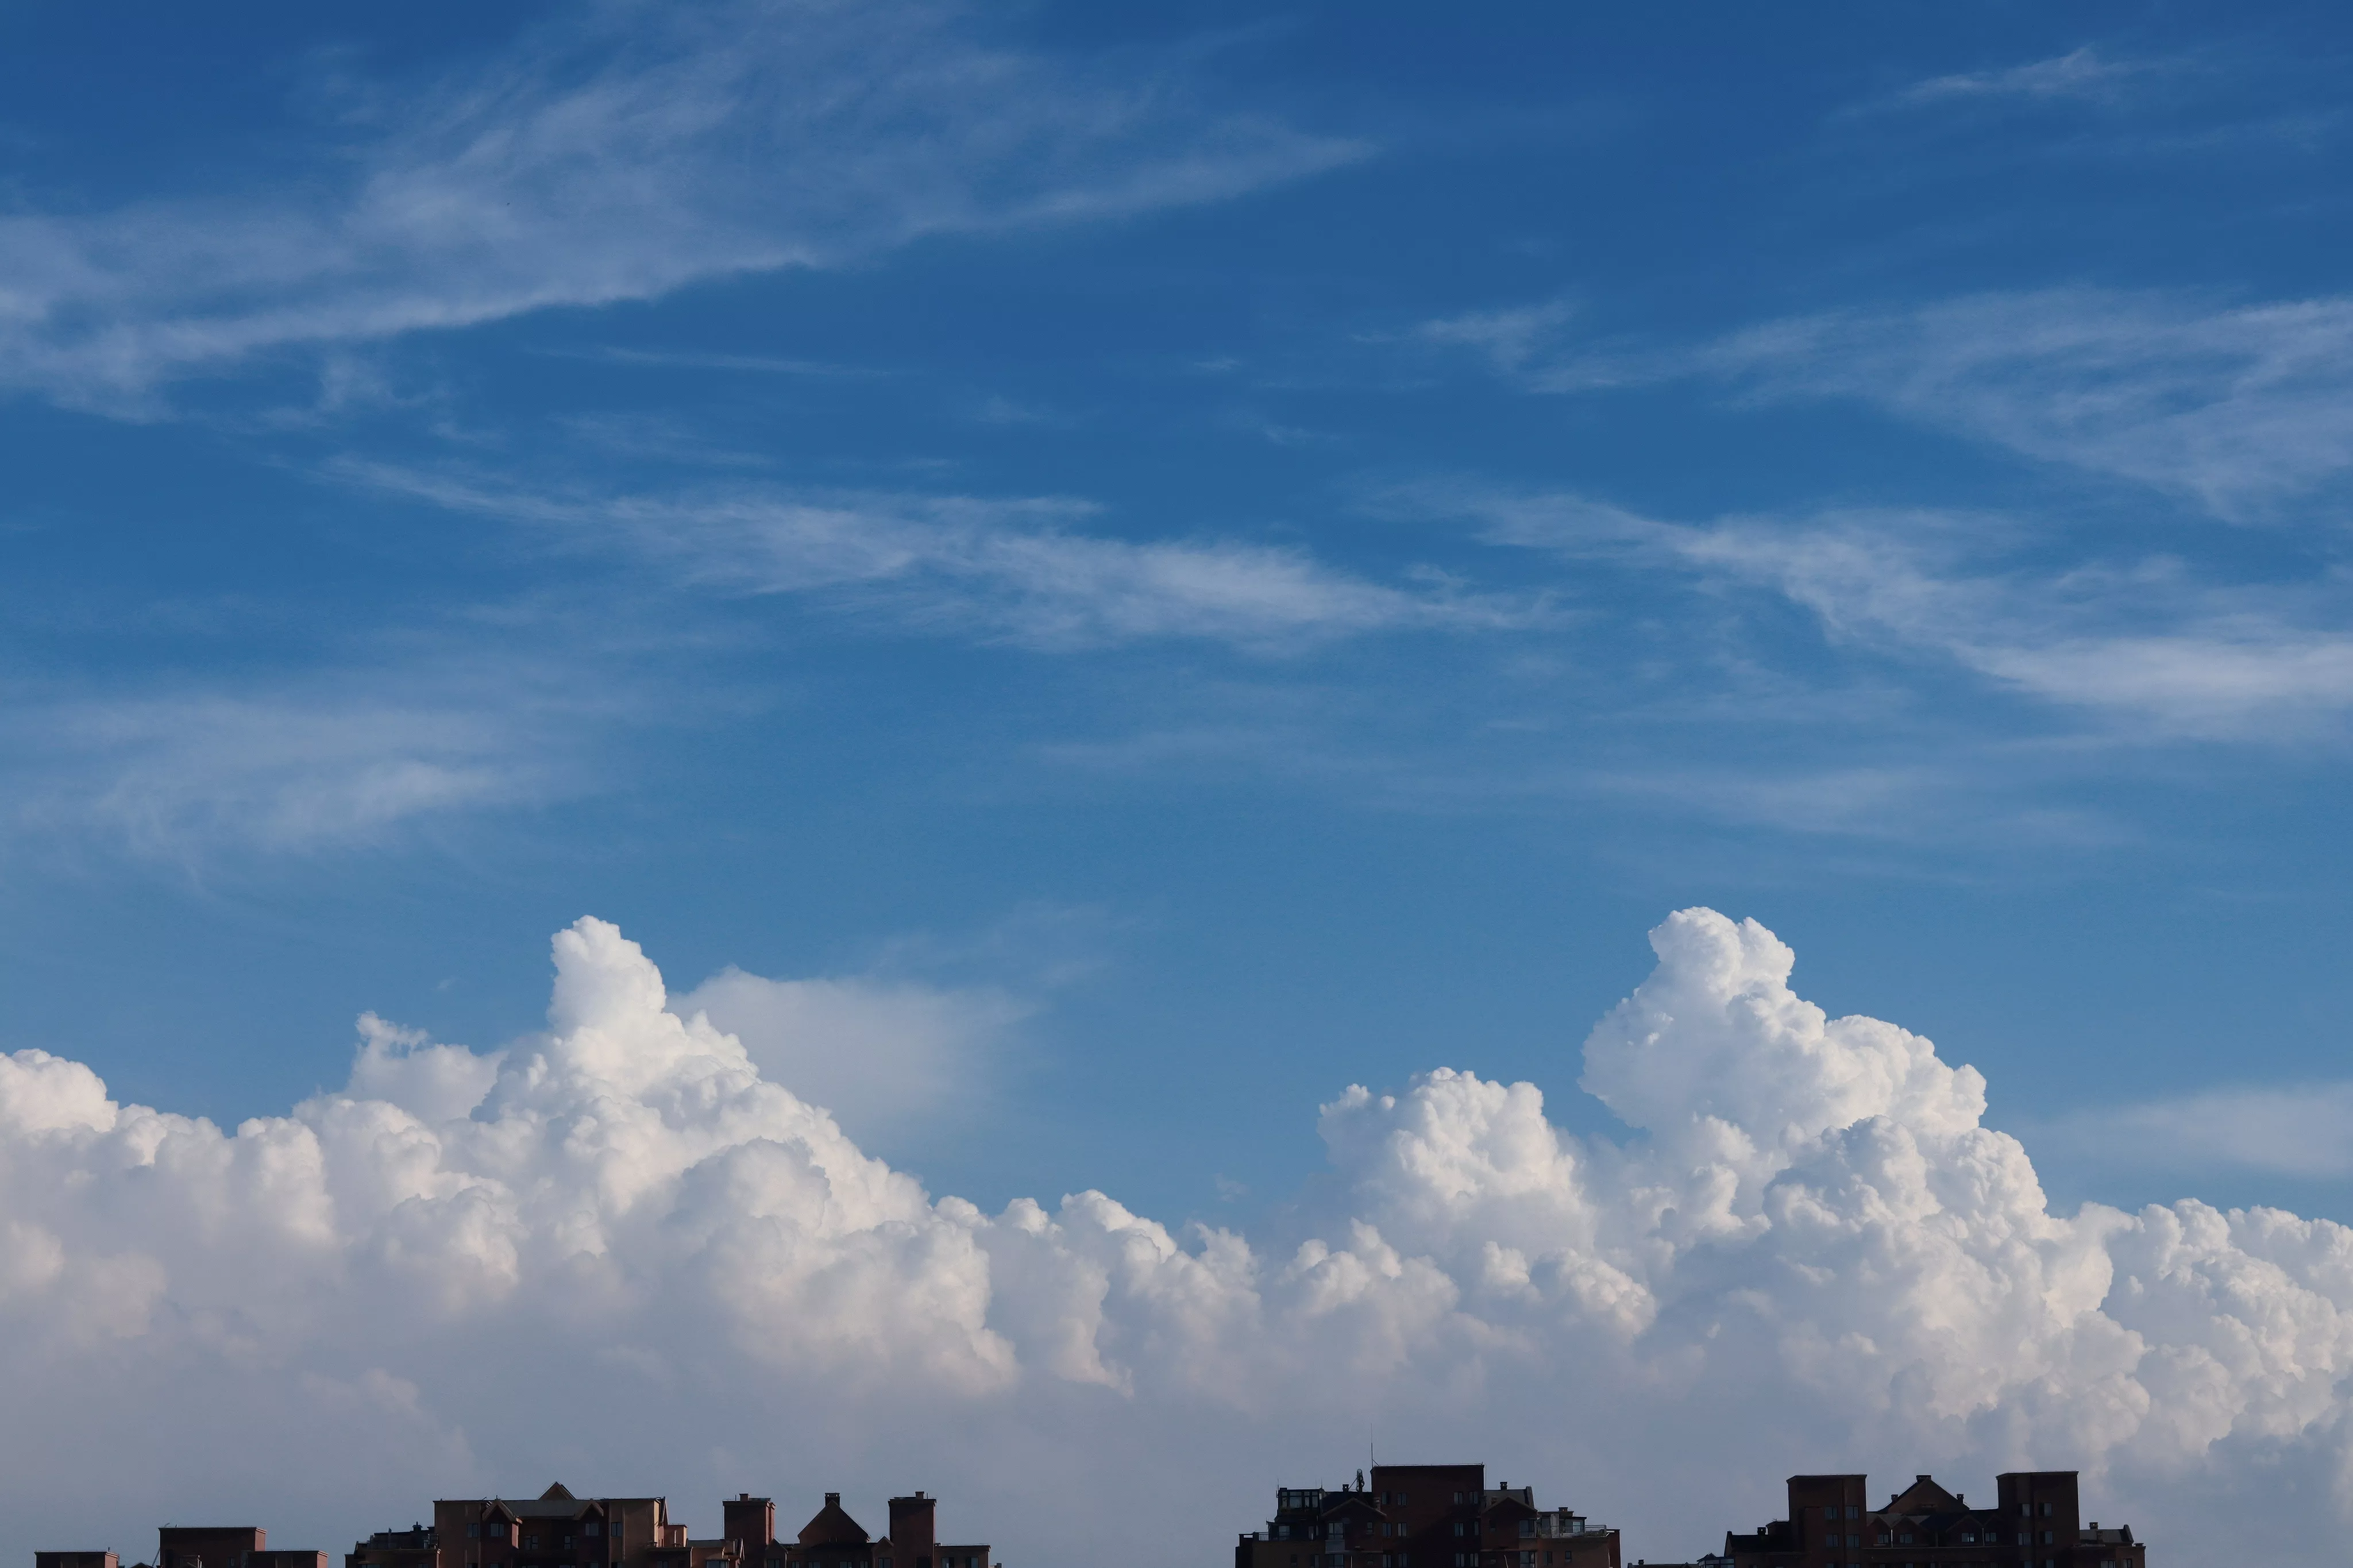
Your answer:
<point x="2046" y="1538"/>
<point x="2046" y="1511"/>
<point x="531" y="1542"/>
<point x="473" y="1533"/>
<point x="594" y="1529"/>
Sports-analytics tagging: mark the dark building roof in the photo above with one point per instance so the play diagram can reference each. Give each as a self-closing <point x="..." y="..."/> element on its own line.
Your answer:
<point x="1924" y="1496"/>
<point x="833" y="1527"/>
<point x="1773" y="1537"/>
<point x="555" y="1503"/>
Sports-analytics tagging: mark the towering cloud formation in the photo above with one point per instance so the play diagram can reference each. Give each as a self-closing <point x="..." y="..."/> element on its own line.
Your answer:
<point x="616" y="1249"/>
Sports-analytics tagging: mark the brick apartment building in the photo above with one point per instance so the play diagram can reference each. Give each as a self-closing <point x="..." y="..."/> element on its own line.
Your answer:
<point x="558" y="1530"/>
<point x="2033" y="1524"/>
<point x="1422" y="1516"/>
<point x="197" y="1546"/>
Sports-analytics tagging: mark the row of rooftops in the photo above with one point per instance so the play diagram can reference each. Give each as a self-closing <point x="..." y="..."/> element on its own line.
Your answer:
<point x="1456" y="1517"/>
<point x="2036" y="1504"/>
<point x="831" y="1539"/>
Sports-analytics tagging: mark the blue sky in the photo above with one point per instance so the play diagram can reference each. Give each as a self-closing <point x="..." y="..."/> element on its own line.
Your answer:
<point x="1191" y="555"/>
<point x="1986" y="359"/>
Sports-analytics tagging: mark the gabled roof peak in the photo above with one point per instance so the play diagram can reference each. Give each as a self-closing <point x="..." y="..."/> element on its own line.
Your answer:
<point x="1923" y="1496"/>
<point x="832" y="1526"/>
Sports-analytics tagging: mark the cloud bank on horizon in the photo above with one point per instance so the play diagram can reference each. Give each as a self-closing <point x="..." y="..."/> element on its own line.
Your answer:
<point x="465" y="1272"/>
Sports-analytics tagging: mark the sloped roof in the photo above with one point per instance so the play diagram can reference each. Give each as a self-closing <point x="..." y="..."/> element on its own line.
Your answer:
<point x="555" y="1503"/>
<point x="1923" y="1496"/>
<point x="833" y="1527"/>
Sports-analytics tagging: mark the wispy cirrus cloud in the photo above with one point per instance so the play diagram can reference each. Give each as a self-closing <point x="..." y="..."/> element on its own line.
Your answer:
<point x="2083" y="74"/>
<point x="355" y="753"/>
<point x="619" y="156"/>
<point x="170" y="777"/>
<point x="2240" y="408"/>
<point x="2300" y="1130"/>
<point x="2149" y="640"/>
<point x="1022" y="570"/>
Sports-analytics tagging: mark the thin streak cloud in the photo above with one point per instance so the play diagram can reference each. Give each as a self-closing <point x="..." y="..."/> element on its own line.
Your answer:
<point x="1014" y="570"/>
<point x="596" y="163"/>
<point x="2242" y="410"/>
<point x="2144" y="640"/>
<point x="2083" y="74"/>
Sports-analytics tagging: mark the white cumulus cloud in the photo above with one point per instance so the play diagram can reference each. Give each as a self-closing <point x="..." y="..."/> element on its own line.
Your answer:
<point x="618" y="1251"/>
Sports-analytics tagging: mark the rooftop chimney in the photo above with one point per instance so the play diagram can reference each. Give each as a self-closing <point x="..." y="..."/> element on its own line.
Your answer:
<point x="910" y="1524"/>
<point x="749" y="1520"/>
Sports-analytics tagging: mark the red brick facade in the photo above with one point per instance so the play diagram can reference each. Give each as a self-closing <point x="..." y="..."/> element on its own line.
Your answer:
<point x="197" y="1546"/>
